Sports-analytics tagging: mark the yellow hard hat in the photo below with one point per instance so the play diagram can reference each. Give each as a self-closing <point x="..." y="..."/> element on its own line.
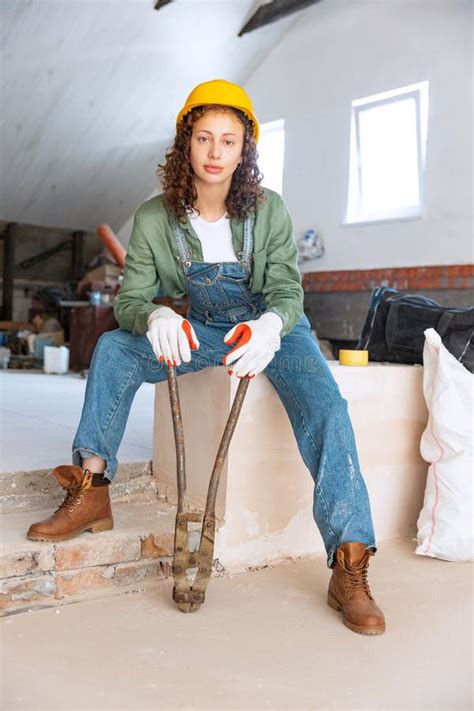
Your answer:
<point x="220" y="91"/>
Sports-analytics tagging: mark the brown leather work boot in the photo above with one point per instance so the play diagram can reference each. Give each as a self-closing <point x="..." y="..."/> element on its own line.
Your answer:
<point x="349" y="590"/>
<point x="86" y="506"/>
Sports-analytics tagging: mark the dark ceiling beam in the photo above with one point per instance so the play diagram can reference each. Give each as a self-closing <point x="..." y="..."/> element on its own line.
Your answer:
<point x="274" y="11"/>
<point x="161" y="3"/>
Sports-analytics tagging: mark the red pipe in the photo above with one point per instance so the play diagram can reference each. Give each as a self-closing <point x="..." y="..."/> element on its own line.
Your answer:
<point x="111" y="241"/>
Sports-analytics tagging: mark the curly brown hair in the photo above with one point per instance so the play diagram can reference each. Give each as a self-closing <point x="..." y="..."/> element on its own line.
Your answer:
<point x="177" y="176"/>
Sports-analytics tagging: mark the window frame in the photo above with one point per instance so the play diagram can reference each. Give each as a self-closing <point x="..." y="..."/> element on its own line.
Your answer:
<point x="273" y="126"/>
<point x="355" y="215"/>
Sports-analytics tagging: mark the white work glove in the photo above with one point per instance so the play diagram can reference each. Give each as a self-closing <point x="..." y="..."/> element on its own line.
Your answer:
<point x="171" y="336"/>
<point x="258" y="341"/>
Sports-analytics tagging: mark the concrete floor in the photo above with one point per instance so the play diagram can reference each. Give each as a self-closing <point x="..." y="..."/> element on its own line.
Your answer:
<point x="44" y="411"/>
<point x="263" y="640"/>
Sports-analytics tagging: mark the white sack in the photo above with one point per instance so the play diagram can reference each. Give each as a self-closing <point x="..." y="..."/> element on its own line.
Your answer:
<point x="445" y="524"/>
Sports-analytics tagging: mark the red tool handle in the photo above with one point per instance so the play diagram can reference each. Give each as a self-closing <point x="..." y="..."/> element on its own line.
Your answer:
<point x="113" y="244"/>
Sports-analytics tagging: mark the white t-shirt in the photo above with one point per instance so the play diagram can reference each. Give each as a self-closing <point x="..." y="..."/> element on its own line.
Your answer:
<point x="215" y="238"/>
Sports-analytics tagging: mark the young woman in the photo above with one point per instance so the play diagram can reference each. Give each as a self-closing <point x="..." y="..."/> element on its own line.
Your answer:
<point x="217" y="236"/>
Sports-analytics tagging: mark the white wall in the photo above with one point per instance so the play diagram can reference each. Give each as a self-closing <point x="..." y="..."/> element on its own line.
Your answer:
<point x="90" y="92"/>
<point x="340" y="50"/>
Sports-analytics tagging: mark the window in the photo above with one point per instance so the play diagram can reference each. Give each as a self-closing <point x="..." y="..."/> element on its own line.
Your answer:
<point x="387" y="155"/>
<point x="271" y="149"/>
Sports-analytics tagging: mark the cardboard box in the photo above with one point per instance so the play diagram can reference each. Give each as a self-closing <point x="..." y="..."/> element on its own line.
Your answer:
<point x="106" y="274"/>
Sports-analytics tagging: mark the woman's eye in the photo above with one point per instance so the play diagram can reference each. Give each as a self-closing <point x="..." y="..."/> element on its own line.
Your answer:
<point x="230" y="142"/>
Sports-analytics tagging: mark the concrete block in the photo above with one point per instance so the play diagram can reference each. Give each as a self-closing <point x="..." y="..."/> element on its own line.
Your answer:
<point x="74" y="582"/>
<point x="17" y="563"/>
<point x="26" y="490"/>
<point x="128" y="573"/>
<point x="25" y="559"/>
<point x="158" y="545"/>
<point x="265" y="500"/>
<point x="26" y="588"/>
<point x="88" y="551"/>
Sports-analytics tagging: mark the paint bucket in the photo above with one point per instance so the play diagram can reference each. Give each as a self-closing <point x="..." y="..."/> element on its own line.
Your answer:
<point x="56" y="359"/>
<point x="4" y="357"/>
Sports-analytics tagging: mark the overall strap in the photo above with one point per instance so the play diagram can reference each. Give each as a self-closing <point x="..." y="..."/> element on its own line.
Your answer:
<point x="245" y="255"/>
<point x="183" y="250"/>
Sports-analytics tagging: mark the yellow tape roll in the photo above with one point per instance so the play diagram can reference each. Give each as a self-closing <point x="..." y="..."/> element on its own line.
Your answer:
<point x="353" y="357"/>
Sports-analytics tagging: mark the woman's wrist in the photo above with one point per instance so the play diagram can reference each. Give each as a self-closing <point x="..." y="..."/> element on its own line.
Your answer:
<point x="274" y="319"/>
<point x="159" y="312"/>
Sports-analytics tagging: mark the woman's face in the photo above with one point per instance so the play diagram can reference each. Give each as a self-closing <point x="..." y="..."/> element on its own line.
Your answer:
<point x="216" y="142"/>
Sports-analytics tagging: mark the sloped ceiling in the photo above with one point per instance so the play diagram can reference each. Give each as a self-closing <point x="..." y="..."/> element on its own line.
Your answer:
<point x="91" y="89"/>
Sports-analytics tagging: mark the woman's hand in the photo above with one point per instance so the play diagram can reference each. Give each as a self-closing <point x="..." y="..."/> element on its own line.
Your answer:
<point x="171" y="336"/>
<point x="258" y="341"/>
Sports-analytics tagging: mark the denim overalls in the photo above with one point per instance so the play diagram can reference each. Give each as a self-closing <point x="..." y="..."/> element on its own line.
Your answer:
<point x="220" y="296"/>
<point x="219" y="292"/>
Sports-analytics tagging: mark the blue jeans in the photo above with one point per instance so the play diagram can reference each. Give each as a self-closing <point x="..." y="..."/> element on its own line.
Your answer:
<point x="300" y="375"/>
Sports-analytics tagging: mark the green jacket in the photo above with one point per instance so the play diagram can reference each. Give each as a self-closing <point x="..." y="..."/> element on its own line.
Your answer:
<point x="151" y="264"/>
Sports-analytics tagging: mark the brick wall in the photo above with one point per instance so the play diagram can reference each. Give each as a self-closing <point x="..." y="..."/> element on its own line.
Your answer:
<point x="457" y="276"/>
<point x="336" y="302"/>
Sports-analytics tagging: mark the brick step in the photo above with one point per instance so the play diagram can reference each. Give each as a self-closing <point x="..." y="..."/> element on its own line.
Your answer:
<point x="29" y="490"/>
<point x="135" y="554"/>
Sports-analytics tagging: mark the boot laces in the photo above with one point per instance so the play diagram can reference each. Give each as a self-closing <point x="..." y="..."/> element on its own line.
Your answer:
<point x="356" y="577"/>
<point x="72" y="499"/>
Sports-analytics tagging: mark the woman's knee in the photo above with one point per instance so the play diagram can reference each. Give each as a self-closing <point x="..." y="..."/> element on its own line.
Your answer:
<point x="125" y="341"/>
<point x="115" y="348"/>
<point x="118" y="335"/>
<point x="105" y="344"/>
